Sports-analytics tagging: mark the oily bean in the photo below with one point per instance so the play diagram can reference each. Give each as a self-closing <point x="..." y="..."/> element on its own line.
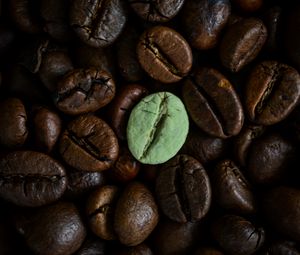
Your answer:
<point x="13" y="123"/>
<point x="29" y="178"/>
<point x="98" y="23"/>
<point x="136" y="214"/>
<point x="84" y="90"/>
<point x="92" y="246"/>
<point x="89" y="144"/>
<point x="156" y="10"/>
<point x="237" y="236"/>
<point x="164" y="54"/>
<point x="272" y="92"/>
<point x="231" y="190"/>
<point x="100" y="211"/>
<point x="47" y="127"/>
<point x="269" y="158"/>
<point x="208" y="93"/>
<point x="55" y="229"/>
<point x="120" y="108"/>
<point x="281" y="210"/>
<point x="183" y="189"/>
<point x="242" y="42"/>
<point x="204" y="20"/>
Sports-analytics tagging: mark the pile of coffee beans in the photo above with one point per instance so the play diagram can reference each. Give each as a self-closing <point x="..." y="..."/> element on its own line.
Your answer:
<point x="139" y="127"/>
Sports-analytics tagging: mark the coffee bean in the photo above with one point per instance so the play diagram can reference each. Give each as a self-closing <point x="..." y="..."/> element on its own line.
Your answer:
<point x="164" y="54"/>
<point x="237" y="236"/>
<point x="183" y="189"/>
<point x="155" y="10"/>
<point x="208" y="93"/>
<point x="13" y="123"/>
<point x="281" y="210"/>
<point x="92" y="246"/>
<point x="248" y="5"/>
<point x="231" y="190"/>
<point x="84" y="90"/>
<point x="29" y="178"/>
<point x="242" y="42"/>
<point x="120" y="108"/>
<point x="157" y="138"/>
<point x="100" y="209"/>
<point x="272" y="92"/>
<point x="89" y="144"/>
<point x="208" y="251"/>
<point x="56" y="229"/>
<point x="204" y="20"/>
<point x="282" y="248"/>
<point x="141" y="249"/>
<point x="98" y="23"/>
<point x="136" y="214"/>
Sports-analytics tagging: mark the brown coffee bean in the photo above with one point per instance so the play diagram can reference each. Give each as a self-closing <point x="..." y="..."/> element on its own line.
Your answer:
<point x="100" y="210"/>
<point x="183" y="189"/>
<point x="242" y="42"/>
<point x="231" y="190"/>
<point x="13" y="123"/>
<point x="204" y="20"/>
<point x="29" y="178"/>
<point x="164" y="54"/>
<point x="84" y="90"/>
<point x="89" y="144"/>
<point x="212" y="103"/>
<point x="248" y="5"/>
<point x="136" y="214"/>
<point x="272" y="92"/>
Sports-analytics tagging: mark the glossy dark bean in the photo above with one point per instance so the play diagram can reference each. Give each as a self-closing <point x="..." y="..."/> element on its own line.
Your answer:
<point x="92" y="246"/>
<point x="204" y="20"/>
<point x="100" y="209"/>
<point x="98" y="23"/>
<point x="136" y="214"/>
<point x="242" y="42"/>
<point x="47" y="128"/>
<point x="13" y="123"/>
<point x="56" y="229"/>
<point x="89" y="144"/>
<point x="269" y="158"/>
<point x="30" y="178"/>
<point x="237" y="236"/>
<point x="84" y="90"/>
<point x="183" y="189"/>
<point x="120" y="108"/>
<point x="208" y="93"/>
<point x="231" y="190"/>
<point x="272" y="92"/>
<point x="156" y="11"/>
<point x="164" y="54"/>
<point x="281" y="210"/>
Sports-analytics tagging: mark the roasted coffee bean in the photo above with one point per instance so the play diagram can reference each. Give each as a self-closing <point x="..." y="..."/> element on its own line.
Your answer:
<point x="89" y="144"/>
<point x="175" y="238"/>
<point x="272" y="92"/>
<point x="242" y="42"/>
<point x="269" y="158"/>
<point x="204" y="20"/>
<point x="82" y="182"/>
<point x="92" y="246"/>
<point x="120" y="108"/>
<point x="208" y="251"/>
<point x="248" y="5"/>
<point x="47" y="127"/>
<point x="156" y="10"/>
<point x="29" y="178"/>
<point x="55" y="229"/>
<point x="231" y="190"/>
<point x="141" y="249"/>
<point x="281" y="210"/>
<point x="84" y="90"/>
<point x="13" y="123"/>
<point x="136" y="214"/>
<point x="237" y="236"/>
<point x="282" y="248"/>
<point x="244" y="140"/>
<point x="100" y="209"/>
<point x="164" y="54"/>
<point x="212" y="103"/>
<point x="98" y="23"/>
<point x="183" y="189"/>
